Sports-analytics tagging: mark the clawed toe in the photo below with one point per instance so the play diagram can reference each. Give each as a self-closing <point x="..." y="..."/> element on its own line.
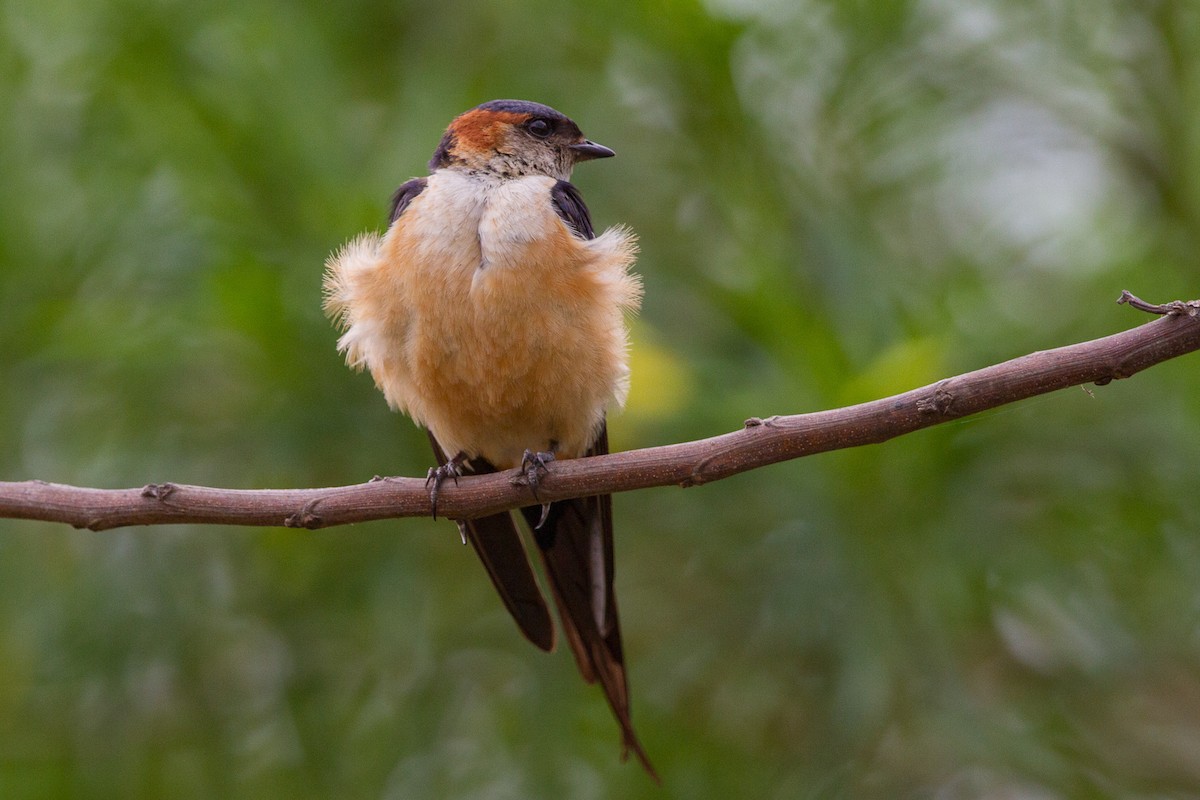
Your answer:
<point x="436" y="475"/>
<point x="535" y="465"/>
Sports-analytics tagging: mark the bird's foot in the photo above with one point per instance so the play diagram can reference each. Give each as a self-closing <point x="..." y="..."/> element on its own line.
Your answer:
<point x="534" y="466"/>
<point x="437" y="475"/>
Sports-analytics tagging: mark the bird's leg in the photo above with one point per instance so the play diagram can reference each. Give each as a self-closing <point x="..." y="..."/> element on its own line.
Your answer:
<point x="433" y="480"/>
<point x="535" y="465"/>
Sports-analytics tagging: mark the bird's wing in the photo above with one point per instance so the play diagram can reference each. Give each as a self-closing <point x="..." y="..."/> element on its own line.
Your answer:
<point x="568" y="202"/>
<point x="576" y="542"/>
<point x="404" y="195"/>
<point x="498" y="544"/>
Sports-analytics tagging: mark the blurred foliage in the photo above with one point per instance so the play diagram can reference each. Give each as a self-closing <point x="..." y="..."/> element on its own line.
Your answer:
<point x="836" y="200"/>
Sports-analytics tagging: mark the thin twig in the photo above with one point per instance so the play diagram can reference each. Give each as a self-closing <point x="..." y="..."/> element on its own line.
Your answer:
<point x="758" y="443"/>
<point x="1174" y="308"/>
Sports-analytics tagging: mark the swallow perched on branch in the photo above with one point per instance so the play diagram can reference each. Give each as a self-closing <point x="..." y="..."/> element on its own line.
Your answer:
<point x="492" y="314"/>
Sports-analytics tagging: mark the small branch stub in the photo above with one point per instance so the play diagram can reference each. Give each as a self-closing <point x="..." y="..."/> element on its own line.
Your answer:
<point x="1174" y="308"/>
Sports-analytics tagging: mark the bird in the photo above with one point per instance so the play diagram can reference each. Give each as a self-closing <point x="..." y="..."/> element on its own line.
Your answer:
<point x="491" y="313"/>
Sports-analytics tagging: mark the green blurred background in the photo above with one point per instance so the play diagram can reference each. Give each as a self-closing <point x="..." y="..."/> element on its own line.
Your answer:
<point x="837" y="200"/>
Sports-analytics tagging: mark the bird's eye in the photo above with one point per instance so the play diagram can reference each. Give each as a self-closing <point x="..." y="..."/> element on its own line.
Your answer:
<point x="539" y="128"/>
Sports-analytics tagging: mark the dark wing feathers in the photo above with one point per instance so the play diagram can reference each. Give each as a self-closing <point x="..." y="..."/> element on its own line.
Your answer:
<point x="576" y="543"/>
<point x="404" y="195"/>
<point x="498" y="545"/>
<point x="568" y="202"/>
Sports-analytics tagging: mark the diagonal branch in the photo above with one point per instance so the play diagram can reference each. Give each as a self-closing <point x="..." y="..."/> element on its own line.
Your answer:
<point x="759" y="443"/>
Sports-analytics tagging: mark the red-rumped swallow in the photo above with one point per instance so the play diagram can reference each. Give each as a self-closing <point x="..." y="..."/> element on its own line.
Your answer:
<point x="492" y="314"/>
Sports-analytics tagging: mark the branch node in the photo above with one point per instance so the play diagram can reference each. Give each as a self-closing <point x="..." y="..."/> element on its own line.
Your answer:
<point x="158" y="491"/>
<point x="699" y="474"/>
<point x="753" y="422"/>
<point x="939" y="403"/>
<point x="388" y="478"/>
<point x="306" y="517"/>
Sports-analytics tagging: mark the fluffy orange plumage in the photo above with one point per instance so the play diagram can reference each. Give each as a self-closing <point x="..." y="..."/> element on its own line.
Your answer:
<point x="496" y="342"/>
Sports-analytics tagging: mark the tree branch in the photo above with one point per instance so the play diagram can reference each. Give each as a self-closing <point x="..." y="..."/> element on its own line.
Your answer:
<point x="759" y="443"/>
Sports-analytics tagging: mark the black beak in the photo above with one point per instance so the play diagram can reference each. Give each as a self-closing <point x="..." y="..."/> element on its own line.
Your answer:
<point x="587" y="150"/>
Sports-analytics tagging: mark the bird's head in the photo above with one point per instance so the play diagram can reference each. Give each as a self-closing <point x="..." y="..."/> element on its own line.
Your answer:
<point x="515" y="138"/>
